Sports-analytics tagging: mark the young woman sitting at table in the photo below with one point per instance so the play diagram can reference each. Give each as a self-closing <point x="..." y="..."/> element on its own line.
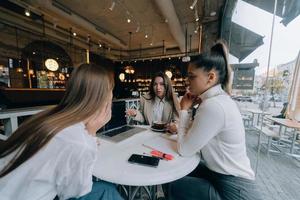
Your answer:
<point x="160" y="104"/>
<point x="54" y="152"/>
<point x="217" y="133"/>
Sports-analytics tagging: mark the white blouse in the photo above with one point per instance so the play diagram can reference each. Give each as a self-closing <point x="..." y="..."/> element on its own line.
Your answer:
<point x="218" y="133"/>
<point x="158" y="108"/>
<point x="63" y="167"/>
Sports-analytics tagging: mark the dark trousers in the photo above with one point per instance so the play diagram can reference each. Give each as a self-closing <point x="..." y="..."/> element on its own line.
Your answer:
<point x="205" y="184"/>
<point x="101" y="190"/>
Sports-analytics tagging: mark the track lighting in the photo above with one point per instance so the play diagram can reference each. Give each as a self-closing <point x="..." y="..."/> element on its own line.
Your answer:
<point x="112" y="6"/>
<point x="193" y="5"/>
<point x="27" y="13"/>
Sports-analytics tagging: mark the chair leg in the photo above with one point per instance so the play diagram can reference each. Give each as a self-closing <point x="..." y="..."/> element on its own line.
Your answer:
<point x="269" y="145"/>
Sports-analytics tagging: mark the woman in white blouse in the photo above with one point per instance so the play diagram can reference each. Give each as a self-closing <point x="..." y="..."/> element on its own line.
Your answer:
<point x="160" y="104"/>
<point x="54" y="152"/>
<point x="216" y="133"/>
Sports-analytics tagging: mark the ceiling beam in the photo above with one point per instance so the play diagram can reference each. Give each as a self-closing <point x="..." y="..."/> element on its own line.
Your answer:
<point x="168" y="10"/>
<point x="47" y="8"/>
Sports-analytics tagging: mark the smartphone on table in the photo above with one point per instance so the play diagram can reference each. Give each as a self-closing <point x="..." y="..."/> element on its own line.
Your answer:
<point x="144" y="160"/>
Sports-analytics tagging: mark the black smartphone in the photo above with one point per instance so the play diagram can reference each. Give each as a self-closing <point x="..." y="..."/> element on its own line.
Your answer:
<point x="144" y="160"/>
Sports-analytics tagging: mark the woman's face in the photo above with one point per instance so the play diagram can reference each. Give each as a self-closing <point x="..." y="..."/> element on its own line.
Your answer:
<point x="159" y="87"/>
<point x="199" y="80"/>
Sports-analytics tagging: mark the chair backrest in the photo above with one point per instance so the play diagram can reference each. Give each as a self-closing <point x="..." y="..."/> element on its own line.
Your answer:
<point x="2" y="138"/>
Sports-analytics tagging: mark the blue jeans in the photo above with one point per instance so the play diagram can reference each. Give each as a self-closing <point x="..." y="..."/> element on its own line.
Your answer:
<point x="205" y="184"/>
<point x="101" y="190"/>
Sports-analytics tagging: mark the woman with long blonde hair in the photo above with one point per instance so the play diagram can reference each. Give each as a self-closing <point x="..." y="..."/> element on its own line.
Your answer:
<point x="54" y="152"/>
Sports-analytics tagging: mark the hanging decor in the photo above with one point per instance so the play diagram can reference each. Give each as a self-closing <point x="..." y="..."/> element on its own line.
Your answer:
<point x="122" y="77"/>
<point x="51" y="64"/>
<point x="129" y="69"/>
<point x="169" y="74"/>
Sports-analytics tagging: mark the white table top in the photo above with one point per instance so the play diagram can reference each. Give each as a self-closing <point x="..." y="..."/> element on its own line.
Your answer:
<point x="113" y="166"/>
<point x="286" y="122"/>
<point x="255" y="111"/>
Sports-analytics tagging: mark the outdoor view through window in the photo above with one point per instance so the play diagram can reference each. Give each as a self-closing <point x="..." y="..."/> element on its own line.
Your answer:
<point x="264" y="54"/>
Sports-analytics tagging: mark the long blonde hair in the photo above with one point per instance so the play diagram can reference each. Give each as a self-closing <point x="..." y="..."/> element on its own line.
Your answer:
<point x="86" y="90"/>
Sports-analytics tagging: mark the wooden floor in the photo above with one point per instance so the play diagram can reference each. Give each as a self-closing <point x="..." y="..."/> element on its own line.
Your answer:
<point x="278" y="175"/>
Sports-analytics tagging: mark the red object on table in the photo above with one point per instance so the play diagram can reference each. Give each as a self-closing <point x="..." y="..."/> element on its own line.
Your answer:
<point x="161" y="155"/>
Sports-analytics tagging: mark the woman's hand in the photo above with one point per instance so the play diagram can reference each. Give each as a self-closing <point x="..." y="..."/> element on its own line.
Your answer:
<point x="131" y="112"/>
<point x="187" y="101"/>
<point x="172" y="128"/>
<point x="99" y="119"/>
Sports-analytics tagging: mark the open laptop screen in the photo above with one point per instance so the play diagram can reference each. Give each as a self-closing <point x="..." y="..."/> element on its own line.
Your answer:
<point x="118" y="116"/>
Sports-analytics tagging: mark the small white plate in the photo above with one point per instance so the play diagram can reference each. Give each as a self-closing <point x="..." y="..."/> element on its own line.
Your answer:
<point x="158" y="130"/>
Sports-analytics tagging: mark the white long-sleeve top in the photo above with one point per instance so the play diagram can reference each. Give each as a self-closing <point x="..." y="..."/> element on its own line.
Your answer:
<point x="63" y="167"/>
<point x="218" y="133"/>
<point x="158" y="109"/>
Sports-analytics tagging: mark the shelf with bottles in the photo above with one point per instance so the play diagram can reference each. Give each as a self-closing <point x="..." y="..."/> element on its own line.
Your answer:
<point x="51" y="79"/>
<point x="143" y="84"/>
<point x="179" y="82"/>
<point x="179" y="85"/>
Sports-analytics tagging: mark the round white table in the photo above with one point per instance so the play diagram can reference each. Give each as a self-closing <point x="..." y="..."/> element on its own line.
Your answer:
<point x="112" y="164"/>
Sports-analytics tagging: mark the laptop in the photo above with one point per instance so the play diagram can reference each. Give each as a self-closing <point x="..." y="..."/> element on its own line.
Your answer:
<point x="117" y="129"/>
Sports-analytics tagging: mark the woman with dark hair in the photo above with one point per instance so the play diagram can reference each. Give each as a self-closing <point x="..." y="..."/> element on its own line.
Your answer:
<point x="160" y="104"/>
<point x="54" y="152"/>
<point x="217" y="134"/>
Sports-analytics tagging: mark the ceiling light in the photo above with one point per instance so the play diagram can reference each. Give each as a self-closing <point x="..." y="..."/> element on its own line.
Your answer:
<point x="100" y="45"/>
<point x="128" y="20"/>
<point x="33" y="53"/>
<point x="51" y="64"/>
<point x="146" y="36"/>
<point x="151" y="44"/>
<point x="213" y="13"/>
<point x="112" y="6"/>
<point x="137" y="29"/>
<point x="169" y="58"/>
<point x="196" y="15"/>
<point x="122" y="77"/>
<point x="193" y="5"/>
<point x="74" y="34"/>
<point x="27" y="13"/>
<point x="196" y="30"/>
<point x="169" y="74"/>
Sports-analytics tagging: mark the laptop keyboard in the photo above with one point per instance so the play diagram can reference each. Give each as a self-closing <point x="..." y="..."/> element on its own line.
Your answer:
<point x="117" y="131"/>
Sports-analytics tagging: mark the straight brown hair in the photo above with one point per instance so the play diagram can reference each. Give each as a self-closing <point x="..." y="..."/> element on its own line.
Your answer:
<point x="86" y="94"/>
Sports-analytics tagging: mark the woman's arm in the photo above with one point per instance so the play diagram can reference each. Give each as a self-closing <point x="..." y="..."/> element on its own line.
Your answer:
<point x="137" y="114"/>
<point x="208" y="122"/>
